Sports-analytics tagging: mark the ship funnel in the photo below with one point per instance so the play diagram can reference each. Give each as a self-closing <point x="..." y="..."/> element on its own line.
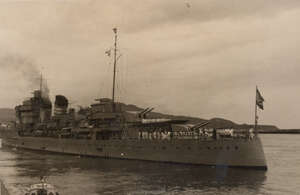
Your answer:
<point x="61" y="105"/>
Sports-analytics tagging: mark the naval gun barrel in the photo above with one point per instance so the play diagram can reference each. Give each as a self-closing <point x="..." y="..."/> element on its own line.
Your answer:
<point x="199" y="125"/>
<point x="143" y="111"/>
<point x="146" y="112"/>
<point x="140" y="114"/>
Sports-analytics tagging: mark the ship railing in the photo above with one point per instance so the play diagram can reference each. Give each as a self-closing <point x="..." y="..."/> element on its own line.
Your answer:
<point x="201" y="135"/>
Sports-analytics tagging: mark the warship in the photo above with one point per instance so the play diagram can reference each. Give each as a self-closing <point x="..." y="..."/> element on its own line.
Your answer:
<point x="106" y="130"/>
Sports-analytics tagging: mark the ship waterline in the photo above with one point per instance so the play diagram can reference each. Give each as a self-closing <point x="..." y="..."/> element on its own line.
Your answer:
<point x="244" y="153"/>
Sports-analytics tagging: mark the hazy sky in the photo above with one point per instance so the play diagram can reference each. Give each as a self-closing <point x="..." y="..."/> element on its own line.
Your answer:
<point x="190" y="57"/>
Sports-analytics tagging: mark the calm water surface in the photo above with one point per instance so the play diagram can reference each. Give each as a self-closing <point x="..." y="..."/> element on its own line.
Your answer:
<point x="90" y="176"/>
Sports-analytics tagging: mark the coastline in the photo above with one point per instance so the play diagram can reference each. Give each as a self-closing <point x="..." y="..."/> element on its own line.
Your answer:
<point x="280" y="131"/>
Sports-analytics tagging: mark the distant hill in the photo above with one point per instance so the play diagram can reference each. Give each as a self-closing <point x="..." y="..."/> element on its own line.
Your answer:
<point x="7" y="114"/>
<point x="214" y="122"/>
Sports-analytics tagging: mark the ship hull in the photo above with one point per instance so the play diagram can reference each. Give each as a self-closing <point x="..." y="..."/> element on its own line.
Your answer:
<point x="244" y="153"/>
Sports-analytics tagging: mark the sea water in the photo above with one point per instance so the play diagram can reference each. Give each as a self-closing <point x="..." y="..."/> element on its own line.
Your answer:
<point x="77" y="176"/>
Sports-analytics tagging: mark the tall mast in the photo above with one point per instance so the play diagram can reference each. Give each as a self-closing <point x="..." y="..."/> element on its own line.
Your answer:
<point x="115" y="64"/>
<point x="255" y="120"/>
<point x="41" y="93"/>
<point x="41" y="84"/>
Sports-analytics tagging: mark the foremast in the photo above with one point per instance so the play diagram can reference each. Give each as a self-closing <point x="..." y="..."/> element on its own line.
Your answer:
<point x="114" y="73"/>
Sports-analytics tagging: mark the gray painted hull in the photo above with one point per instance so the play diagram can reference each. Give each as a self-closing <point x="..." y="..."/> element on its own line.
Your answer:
<point x="224" y="152"/>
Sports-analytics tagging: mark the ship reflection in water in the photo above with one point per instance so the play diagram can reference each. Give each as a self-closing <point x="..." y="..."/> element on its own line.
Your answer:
<point x="75" y="175"/>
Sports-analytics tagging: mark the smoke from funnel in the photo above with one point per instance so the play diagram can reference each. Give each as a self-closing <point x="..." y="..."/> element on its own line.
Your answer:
<point x="27" y="69"/>
<point x="44" y="89"/>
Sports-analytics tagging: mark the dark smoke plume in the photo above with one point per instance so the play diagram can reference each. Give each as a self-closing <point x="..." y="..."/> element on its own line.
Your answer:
<point x="27" y="69"/>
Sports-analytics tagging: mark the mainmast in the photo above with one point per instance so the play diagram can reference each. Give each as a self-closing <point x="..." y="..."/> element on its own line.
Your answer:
<point x="115" y="64"/>
<point x="41" y="96"/>
<point x="256" y="117"/>
<point x="41" y="84"/>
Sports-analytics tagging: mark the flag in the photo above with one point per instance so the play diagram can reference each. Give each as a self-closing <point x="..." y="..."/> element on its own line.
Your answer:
<point x="259" y="100"/>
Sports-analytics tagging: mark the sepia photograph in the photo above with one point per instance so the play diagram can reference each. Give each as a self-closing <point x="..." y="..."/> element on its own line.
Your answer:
<point x="149" y="97"/>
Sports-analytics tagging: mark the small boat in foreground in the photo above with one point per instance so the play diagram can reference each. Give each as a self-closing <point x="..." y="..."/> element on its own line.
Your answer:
<point x="42" y="188"/>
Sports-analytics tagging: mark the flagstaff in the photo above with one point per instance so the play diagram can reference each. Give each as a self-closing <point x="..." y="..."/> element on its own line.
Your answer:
<point x="255" y="119"/>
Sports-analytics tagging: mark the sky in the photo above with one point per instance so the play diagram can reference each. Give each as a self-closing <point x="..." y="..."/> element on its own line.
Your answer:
<point x="201" y="58"/>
